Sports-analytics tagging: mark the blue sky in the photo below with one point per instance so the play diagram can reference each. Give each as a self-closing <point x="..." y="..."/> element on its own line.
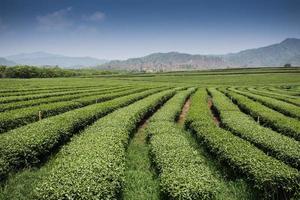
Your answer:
<point x="119" y="29"/>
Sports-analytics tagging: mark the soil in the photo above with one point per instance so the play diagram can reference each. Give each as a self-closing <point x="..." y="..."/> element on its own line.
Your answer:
<point x="215" y="117"/>
<point x="140" y="136"/>
<point x="184" y="111"/>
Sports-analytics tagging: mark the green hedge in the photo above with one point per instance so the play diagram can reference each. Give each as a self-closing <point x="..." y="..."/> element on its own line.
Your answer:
<point x="19" y="117"/>
<point x="37" y="90"/>
<point x="10" y="99"/>
<point x="183" y="171"/>
<point x="171" y="111"/>
<point x="269" y="175"/>
<point x="67" y="97"/>
<point x="287" y="98"/>
<point x="273" y="143"/>
<point x="184" y="174"/>
<point x="267" y="116"/>
<point x="280" y="106"/>
<point x="282" y="91"/>
<point x="92" y="165"/>
<point x="26" y="145"/>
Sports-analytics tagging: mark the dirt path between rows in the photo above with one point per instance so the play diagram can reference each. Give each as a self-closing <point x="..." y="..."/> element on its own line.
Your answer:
<point x="184" y="112"/>
<point x="215" y="117"/>
<point x="139" y="136"/>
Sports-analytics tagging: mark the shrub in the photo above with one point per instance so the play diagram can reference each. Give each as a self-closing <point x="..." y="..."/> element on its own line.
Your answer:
<point x="27" y="145"/>
<point x="92" y="165"/>
<point x="267" y="174"/>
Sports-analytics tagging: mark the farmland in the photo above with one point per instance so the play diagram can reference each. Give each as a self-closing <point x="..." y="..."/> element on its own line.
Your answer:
<point x="223" y="134"/>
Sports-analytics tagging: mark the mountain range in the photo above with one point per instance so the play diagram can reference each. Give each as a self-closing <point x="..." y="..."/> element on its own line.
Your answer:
<point x="287" y="51"/>
<point x="48" y="59"/>
<point x="4" y="61"/>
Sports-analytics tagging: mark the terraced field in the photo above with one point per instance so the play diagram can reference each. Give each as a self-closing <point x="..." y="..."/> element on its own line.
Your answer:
<point x="150" y="138"/>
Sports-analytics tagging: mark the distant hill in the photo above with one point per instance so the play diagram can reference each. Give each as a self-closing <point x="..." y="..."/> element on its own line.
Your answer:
<point x="45" y="59"/>
<point x="4" y="61"/>
<point x="288" y="51"/>
<point x="168" y="62"/>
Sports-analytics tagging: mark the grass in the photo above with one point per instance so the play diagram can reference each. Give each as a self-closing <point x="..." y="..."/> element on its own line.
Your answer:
<point x="20" y="186"/>
<point x="140" y="178"/>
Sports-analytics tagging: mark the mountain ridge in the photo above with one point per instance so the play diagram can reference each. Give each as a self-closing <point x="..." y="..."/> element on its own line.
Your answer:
<point x="4" y="61"/>
<point x="40" y="58"/>
<point x="274" y="55"/>
<point x="287" y="51"/>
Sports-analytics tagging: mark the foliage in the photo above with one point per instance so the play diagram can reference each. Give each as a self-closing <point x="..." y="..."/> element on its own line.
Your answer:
<point x="280" y="106"/>
<point x="283" y="97"/>
<point x="268" y="174"/>
<point x="19" y="117"/>
<point x="288" y="65"/>
<point x="183" y="172"/>
<point x="277" y="121"/>
<point x="283" y="91"/>
<point x="280" y="146"/>
<point x="25" y="71"/>
<point x="67" y="156"/>
<point x="96" y="158"/>
<point x="27" y="145"/>
<point x="63" y="97"/>
<point x="35" y="72"/>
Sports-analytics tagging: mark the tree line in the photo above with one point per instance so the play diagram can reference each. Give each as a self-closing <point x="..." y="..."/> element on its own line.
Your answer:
<point x="23" y="71"/>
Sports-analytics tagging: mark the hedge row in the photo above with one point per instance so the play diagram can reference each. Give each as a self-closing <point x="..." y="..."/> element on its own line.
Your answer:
<point x="272" y="90"/>
<point x="92" y="165"/>
<point x="275" y="144"/>
<point x="269" y="175"/>
<point x="282" y="91"/>
<point x="19" y="117"/>
<point x="34" y="92"/>
<point x="18" y="92"/>
<point x="280" y="106"/>
<point x="267" y="116"/>
<point x="287" y="98"/>
<point x="184" y="173"/>
<point x="26" y="145"/>
<point x="171" y="111"/>
<point x="43" y="95"/>
<point x="33" y="102"/>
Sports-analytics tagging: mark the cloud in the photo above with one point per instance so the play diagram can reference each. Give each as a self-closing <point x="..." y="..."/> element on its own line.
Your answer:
<point x="58" y="20"/>
<point x="63" y="20"/>
<point x="95" y="17"/>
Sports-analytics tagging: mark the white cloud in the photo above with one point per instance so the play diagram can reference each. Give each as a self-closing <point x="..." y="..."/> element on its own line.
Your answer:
<point x="96" y="16"/>
<point x="63" y="20"/>
<point x="57" y="20"/>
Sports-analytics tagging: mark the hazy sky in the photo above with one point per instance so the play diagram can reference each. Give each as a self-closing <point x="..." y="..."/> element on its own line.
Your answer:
<point x="130" y="28"/>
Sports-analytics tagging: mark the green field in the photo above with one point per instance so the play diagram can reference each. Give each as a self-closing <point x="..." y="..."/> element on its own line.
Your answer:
<point x="219" y="134"/>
